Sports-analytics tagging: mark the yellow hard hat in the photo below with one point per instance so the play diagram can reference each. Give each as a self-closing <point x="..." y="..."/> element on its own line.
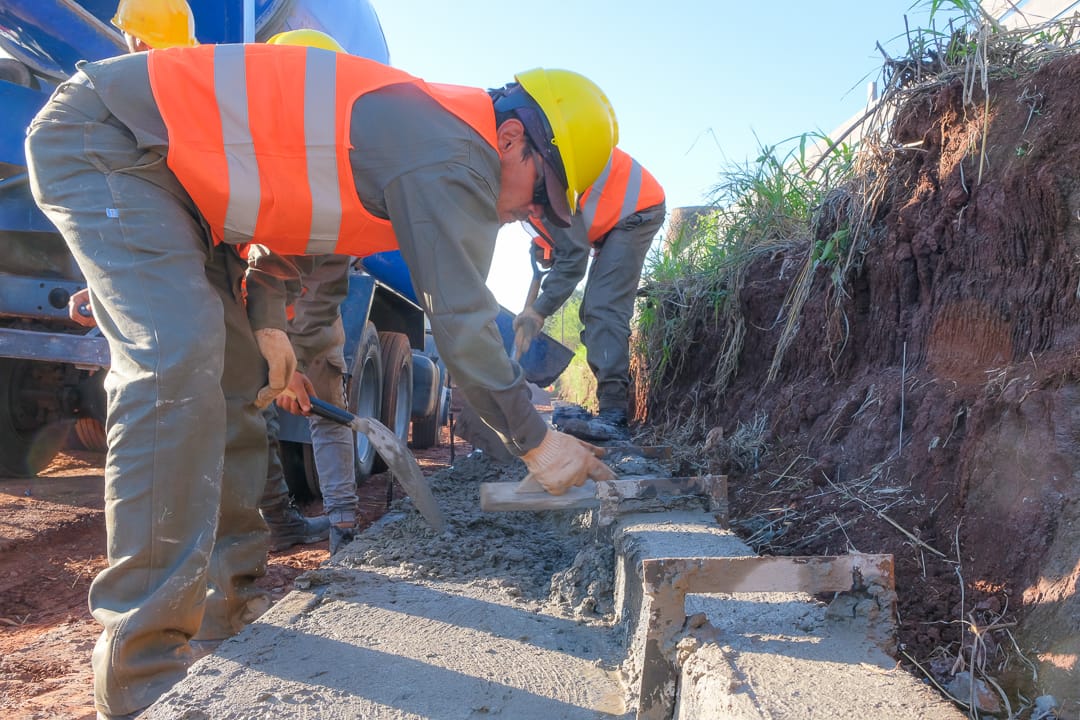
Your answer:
<point x="307" y="38"/>
<point x="158" y="23"/>
<point x="583" y="126"/>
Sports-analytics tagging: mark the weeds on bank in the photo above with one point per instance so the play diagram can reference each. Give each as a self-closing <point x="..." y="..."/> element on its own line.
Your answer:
<point x="693" y="284"/>
<point x="817" y="203"/>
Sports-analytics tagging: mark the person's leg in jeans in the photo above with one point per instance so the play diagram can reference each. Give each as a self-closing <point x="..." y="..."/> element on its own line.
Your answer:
<point x="319" y="338"/>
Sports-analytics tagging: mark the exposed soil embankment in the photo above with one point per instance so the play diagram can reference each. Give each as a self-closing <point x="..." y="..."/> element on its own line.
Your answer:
<point x="930" y="406"/>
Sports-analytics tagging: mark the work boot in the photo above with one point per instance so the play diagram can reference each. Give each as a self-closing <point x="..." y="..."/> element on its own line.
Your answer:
<point x="613" y="416"/>
<point x="340" y="537"/>
<point x="126" y="716"/>
<point x="289" y="527"/>
<point x="609" y="425"/>
<point x="563" y="413"/>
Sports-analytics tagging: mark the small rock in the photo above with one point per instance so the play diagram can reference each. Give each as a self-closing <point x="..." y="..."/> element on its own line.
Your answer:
<point x="986" y="700"/>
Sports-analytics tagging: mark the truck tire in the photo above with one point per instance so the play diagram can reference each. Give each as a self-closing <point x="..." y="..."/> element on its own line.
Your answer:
<point x="365" y="393"/>
<point x="91" y="434"/>
<point x="30" y="433"/>
<point x="397" y="386"/>
<point x="425" y="431"/>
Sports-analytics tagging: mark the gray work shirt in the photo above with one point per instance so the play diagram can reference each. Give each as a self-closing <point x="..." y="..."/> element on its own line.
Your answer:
<point x="570" y="258"/>
<point x="437" y="181"/>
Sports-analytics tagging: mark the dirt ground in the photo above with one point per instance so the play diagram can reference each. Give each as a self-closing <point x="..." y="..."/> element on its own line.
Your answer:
<point x="52" y="543"/>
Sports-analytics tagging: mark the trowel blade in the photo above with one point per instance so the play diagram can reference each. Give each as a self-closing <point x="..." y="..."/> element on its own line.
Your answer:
<point x="395" y="453"/>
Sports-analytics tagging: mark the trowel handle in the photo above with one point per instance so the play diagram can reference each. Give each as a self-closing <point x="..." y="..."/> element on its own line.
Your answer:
<point x="331" y="412"/>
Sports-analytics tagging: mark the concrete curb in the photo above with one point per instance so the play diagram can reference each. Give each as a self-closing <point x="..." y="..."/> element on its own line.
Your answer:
<point x="752" y="654"/>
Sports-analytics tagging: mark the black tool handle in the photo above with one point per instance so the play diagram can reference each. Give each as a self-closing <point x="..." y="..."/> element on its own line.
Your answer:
<point x="331" y="412"/>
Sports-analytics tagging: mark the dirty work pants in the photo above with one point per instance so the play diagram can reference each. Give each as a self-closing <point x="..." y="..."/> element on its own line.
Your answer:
<point x="608" y="304"/>
<point x="318" y="337"/>
<point x="186" y="461"/>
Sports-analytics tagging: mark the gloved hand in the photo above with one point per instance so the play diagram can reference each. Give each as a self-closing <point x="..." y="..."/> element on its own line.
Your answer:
<point x="296" y="398"/>
<point x="527" y="326"/>
<point x="275" y="347"/>
<point x="562" y="461"/>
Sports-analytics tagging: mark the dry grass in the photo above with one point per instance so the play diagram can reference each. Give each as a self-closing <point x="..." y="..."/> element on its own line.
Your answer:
<point x="821" y="213"/>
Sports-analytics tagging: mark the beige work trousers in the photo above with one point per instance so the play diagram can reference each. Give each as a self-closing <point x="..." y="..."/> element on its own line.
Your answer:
<point x="186" y="461"/>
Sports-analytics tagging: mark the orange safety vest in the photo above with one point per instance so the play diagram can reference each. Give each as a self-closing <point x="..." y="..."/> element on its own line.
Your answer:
<point x="623" y="188"/>
<point x="259" y="137"/>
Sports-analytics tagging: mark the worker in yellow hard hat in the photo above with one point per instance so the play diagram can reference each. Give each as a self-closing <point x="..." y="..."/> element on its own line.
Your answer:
<point x="158" y="24"/>
<point x="287" y="525"/>
<point x="621" y="214"/>
<point x="309" y="152"/>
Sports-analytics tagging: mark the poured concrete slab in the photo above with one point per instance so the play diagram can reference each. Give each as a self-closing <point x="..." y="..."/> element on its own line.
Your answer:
<point x="510" y="615"/>
<point x="368" y="645"/>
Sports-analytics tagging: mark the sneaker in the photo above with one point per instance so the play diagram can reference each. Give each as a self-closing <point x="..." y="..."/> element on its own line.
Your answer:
<point x="289" y="527"/>
<point x="340" y="537"/>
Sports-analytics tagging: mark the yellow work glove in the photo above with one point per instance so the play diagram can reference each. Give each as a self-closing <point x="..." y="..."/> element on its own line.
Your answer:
<point x="275" y="347"/>
<point x="527" y="326"/>
<point x="562" y="461"/>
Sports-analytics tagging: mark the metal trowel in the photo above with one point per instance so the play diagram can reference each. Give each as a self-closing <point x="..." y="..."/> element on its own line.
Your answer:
<point x="395" y="453"/>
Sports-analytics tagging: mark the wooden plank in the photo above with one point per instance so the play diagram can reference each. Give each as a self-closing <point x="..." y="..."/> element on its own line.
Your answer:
<point x="503" y="496"/>
<point x="613" y="498"/>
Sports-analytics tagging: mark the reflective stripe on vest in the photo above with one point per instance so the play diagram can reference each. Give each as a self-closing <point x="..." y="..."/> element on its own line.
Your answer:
<point x="623" y="188"/>
<point x="259" y="137"/>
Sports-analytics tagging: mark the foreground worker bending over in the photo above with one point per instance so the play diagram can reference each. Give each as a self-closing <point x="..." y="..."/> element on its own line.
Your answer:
<point x="327" y="153"/>
<point x="620" y="215"/>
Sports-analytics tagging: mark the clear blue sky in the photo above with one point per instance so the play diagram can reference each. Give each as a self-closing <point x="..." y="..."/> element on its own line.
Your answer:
<point x="692" y="81"/>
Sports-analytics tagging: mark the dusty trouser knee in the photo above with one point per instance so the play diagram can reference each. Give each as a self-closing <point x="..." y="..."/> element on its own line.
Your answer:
<point x="471" y="428"/>
<point x="143" y="250"/>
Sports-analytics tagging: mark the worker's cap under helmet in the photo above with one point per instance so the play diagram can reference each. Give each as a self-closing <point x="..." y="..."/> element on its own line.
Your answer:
<point x="572" y="125"/>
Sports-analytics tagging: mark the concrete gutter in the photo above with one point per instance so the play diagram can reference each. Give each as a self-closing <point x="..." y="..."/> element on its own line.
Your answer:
<point x="751" y="655"/>
<point x="379" y="642"/>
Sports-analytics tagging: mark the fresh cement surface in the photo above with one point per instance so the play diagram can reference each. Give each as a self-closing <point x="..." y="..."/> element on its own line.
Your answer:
<point x="501" y="615"/>
<point x="522" y="615"/>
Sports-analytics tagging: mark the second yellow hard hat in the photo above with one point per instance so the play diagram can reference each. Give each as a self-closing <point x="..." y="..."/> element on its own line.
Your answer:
<point x="583" y="124"/>
<point x="307" y="38"/>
